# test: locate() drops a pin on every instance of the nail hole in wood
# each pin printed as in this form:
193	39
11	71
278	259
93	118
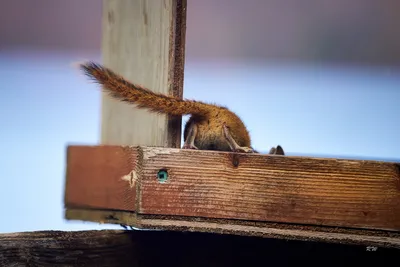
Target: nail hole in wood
235	160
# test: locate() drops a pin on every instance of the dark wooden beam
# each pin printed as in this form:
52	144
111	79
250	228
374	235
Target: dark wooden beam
154	248
55	248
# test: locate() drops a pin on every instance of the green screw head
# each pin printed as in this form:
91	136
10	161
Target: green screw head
162	176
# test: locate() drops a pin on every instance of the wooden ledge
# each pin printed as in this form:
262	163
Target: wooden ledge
171	248
151	187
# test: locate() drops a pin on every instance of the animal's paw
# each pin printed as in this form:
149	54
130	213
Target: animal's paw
244	149
188	146
225	129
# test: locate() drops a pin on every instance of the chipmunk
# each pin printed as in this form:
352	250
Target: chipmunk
210	127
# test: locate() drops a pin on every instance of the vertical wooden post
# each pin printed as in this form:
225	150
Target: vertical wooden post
143	40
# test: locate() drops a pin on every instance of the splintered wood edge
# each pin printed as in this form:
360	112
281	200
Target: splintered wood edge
242	228
102	216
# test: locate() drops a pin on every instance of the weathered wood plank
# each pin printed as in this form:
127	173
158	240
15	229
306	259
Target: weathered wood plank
155	248
264	188
55	248
101	177
330	192
241	228
145	42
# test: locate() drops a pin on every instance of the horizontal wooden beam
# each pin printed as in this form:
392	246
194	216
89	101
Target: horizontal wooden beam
265	189
240	228
159	248
57	248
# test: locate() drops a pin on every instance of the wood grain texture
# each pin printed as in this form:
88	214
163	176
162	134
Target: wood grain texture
278	231
329	192
145	42
101	177
260	188
57	248
168	248
240	228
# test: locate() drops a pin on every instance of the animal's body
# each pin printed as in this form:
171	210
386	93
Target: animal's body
210	127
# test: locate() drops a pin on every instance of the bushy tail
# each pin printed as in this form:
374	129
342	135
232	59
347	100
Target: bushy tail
123	90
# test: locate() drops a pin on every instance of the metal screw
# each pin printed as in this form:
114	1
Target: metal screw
162	176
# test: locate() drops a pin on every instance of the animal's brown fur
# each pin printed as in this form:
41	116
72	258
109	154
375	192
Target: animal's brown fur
204	127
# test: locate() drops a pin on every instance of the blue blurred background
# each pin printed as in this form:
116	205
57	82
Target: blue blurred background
320	78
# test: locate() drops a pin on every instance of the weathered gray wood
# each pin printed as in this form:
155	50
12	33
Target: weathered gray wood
144	41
